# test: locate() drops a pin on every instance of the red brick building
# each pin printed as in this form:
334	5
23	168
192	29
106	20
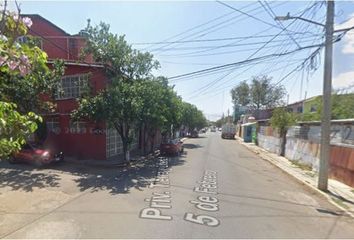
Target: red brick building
82	140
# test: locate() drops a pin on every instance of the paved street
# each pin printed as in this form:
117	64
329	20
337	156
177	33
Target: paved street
216	189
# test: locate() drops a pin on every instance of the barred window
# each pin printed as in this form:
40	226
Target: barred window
114	144
77	127
72	86
53	125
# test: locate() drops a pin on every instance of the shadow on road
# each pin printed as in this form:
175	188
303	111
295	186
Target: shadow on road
191	146
23	177
138	176
115	180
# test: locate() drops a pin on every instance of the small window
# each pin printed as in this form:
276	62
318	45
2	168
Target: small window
32	40
77	127
114	144
313	108
72	43
72	87
53	125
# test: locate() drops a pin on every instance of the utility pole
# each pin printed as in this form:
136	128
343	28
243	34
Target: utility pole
327	91
326	98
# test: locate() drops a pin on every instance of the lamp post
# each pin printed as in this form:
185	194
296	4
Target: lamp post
327	91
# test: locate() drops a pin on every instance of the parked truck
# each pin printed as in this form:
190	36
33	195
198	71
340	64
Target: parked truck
228	130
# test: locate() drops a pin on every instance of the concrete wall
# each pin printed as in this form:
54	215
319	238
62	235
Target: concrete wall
269	139
304	151
303	145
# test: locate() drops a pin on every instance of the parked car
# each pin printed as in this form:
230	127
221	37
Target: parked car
194	134
34	154
228	131
171	147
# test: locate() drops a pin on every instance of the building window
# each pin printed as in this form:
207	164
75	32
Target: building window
299	109
32	40
114	144
77	127
72	86
313	108
53	125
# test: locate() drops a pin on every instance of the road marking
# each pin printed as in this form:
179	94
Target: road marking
158	200
153	213
207	185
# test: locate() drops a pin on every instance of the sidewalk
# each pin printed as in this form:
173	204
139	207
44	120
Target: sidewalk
115	162
338	193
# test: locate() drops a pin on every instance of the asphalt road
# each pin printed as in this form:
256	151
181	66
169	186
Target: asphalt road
216	189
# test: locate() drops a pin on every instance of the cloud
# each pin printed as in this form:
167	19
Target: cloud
343	80
348	47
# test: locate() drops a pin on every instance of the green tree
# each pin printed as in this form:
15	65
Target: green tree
264	94
14	128
120	59
160	109
120	105
25	77
222	121
192	118
259	94
241	94
282	119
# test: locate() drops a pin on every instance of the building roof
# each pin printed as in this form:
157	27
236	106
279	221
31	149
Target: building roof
348	120
45	20
75	63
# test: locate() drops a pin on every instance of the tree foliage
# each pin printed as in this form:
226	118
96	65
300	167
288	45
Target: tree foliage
223	120
282	119
118	56
264	94
259	94
241	94
192	118
134	97
14	128
24	78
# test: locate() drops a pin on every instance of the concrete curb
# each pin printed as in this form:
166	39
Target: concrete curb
297	178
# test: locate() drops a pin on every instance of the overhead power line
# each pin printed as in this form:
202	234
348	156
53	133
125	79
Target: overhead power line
241	62
273	15
263	47
200	25
218	39
191	54
215	27
212	47
249	15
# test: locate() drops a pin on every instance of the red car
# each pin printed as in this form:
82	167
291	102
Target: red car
171	147
32	153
